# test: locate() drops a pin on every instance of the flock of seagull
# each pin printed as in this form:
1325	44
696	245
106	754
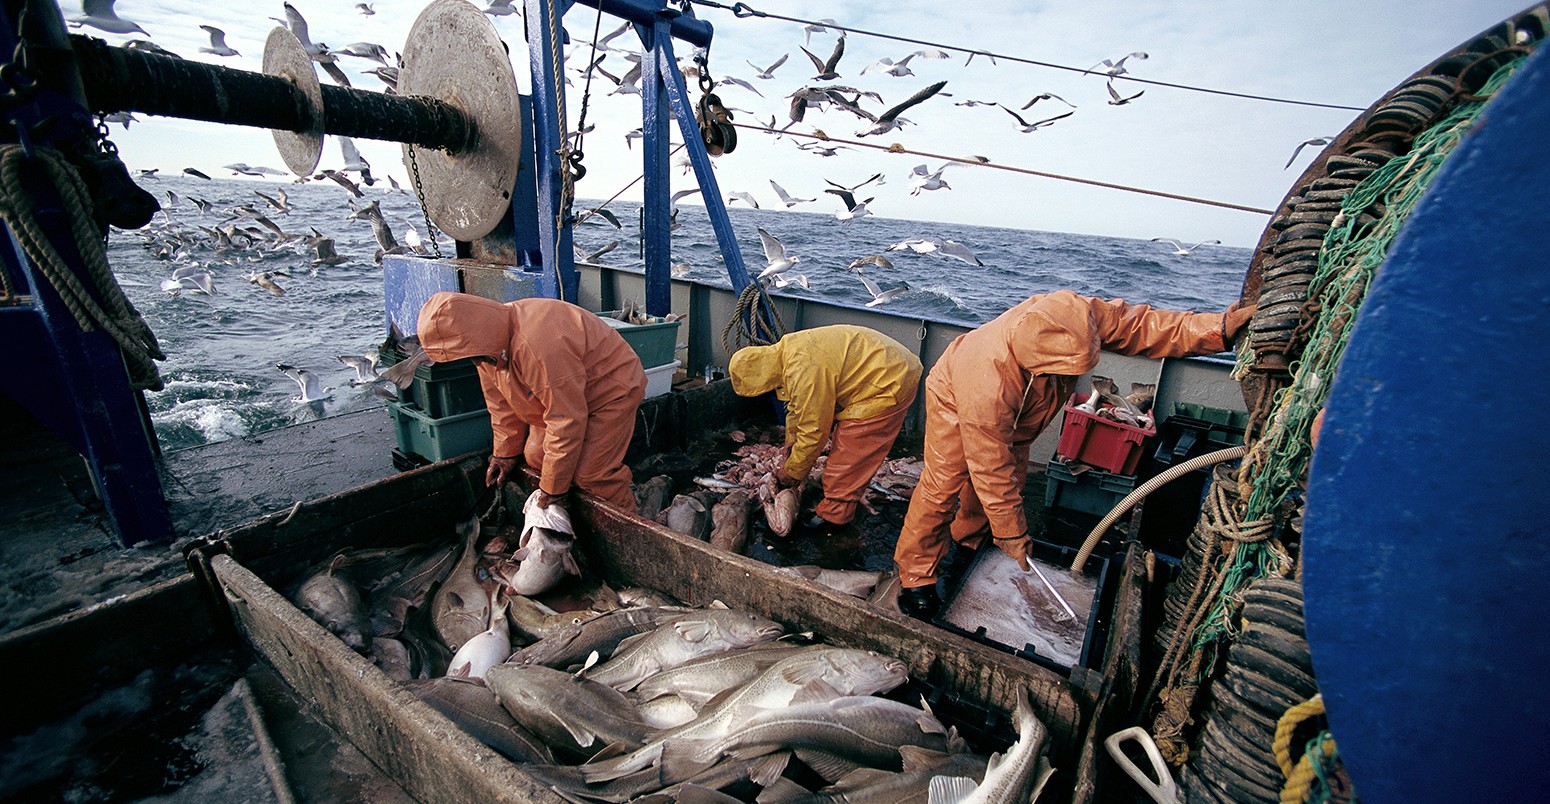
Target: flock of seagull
249	231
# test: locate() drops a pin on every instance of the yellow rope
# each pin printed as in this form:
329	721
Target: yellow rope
1290	720
1299	784
98	302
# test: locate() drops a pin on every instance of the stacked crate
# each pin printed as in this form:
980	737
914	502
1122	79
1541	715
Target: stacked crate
1095	461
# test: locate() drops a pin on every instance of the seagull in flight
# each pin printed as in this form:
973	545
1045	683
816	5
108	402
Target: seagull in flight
365	366
1116	100
1316	141
890	120
1180	249
936	248
100	15
747	198
365	9
817	27
853	211
776	261
826	68
1029	128
1046	96
1113	68
265	280
787	198
925	179
311	389
500	8
900	68
859	264
217	42
768	73
880	296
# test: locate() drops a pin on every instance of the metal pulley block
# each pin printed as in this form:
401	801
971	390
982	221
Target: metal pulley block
715	121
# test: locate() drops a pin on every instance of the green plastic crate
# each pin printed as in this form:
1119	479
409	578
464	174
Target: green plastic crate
437	439
1219	426
439	389
1093	491
654	342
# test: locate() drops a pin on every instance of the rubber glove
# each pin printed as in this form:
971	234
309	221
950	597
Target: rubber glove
1234	320
499	469
1016	547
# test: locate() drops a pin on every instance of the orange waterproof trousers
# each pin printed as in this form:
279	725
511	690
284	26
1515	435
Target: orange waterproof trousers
857	448
944	486
601	470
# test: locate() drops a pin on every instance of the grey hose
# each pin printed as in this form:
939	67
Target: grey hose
1162	478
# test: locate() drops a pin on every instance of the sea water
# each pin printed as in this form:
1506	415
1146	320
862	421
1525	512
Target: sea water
220	375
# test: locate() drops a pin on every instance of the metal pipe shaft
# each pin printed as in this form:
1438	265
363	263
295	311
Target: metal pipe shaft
693	30
119	80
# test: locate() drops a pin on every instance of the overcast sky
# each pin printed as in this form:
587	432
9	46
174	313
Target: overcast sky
1175	141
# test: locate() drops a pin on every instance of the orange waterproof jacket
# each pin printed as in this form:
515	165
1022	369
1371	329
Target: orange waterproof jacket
1005	380
555	362
839	372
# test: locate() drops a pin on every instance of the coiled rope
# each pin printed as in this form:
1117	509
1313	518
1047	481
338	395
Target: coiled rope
755	321
1277	462
97	302
1307	779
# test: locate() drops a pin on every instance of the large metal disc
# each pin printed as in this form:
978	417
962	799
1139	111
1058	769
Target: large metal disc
455	55
285	57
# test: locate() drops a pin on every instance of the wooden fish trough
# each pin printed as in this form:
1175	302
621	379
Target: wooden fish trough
967	683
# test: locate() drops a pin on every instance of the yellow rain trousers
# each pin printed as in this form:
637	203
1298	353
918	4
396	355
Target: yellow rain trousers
997	387
563	390
843	385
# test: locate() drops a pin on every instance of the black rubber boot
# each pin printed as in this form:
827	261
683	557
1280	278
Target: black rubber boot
920	602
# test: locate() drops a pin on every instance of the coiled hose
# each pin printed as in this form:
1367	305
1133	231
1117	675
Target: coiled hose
1162	479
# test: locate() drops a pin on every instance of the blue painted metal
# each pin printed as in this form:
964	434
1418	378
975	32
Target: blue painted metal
695	31
1424	554
656	137
553	224
408	283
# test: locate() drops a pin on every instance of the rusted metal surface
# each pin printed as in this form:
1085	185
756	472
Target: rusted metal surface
119	80
417	746
454	53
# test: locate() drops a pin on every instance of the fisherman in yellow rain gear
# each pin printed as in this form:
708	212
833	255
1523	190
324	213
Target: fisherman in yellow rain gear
843	385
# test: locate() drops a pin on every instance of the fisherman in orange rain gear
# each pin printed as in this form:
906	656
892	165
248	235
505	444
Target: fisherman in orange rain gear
991	393
562	387
844	385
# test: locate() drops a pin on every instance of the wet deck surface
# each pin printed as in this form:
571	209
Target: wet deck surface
55	540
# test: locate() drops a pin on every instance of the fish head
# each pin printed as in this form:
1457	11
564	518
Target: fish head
864	672
742	628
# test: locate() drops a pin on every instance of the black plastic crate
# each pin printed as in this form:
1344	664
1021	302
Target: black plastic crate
1088	490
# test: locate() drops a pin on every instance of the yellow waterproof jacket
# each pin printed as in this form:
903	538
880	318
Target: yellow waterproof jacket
826	374
1004	381
554	363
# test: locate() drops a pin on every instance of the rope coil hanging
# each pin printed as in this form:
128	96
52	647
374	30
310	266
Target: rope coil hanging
95	301
754	322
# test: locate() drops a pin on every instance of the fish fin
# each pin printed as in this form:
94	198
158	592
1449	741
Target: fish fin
950	789
955	742
614	768
611	751
520	555
782	791
587	665
915	756
461	671
808	571
694	630
930	725
630	642
336	563
583	738
716	604
764	772
816	691
570	564
683	759
861	778
995	761
832	767
1042	770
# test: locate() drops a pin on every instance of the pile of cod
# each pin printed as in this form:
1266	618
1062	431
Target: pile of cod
630	695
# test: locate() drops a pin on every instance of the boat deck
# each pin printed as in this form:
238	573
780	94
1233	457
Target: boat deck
57	545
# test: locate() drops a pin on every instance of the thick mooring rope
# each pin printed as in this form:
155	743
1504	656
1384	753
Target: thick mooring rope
113	313
1278	460
755	322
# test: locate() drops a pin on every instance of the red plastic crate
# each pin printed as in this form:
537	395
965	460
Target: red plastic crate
1108	445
